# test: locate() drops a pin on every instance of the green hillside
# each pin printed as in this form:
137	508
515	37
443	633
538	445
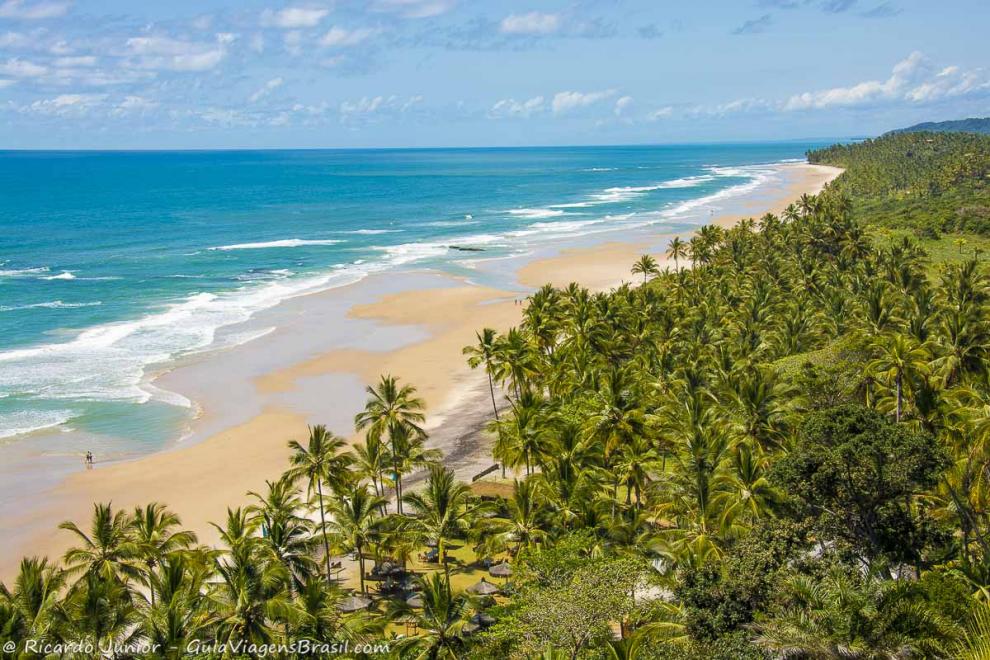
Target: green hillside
970	125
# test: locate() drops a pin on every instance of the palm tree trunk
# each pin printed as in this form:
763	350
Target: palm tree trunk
361	568
323	528
491	388
897	417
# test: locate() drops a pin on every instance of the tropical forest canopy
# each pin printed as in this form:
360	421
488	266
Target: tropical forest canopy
776	448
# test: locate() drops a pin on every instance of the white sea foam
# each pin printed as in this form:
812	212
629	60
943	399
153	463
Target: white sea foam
23	272
53	304
64	275
373	232
452	223
29	421
285	243
533	214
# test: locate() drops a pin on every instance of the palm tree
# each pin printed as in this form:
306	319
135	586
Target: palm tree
483	353
645	266
390	407
108	551
677	250
180	611
32	601
286	532
900	357
354	523
441	622
317	463
443	510
155	537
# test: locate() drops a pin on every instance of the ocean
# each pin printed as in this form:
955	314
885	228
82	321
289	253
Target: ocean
113	265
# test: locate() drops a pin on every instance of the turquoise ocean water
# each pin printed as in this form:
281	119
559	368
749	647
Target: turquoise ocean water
113	265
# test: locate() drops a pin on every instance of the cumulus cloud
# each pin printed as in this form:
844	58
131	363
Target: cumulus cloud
514	108
25	11
292	18
414	8
66	104
661	113
913	79
622	105
338	37
266	89
883	10
18	68
6	82
567	101
133	104
160	52
534	23
81	60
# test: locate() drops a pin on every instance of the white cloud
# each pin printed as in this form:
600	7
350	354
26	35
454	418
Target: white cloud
133	105
67	104
566	101
266	89
913	79
369	106
533	22
338	37
292	18
6	83
33	11
622	104
414	8
82	60
159	52
293	42
19	68
514	108
661	113
14	40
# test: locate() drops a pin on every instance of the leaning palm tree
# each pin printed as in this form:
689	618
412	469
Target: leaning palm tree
483	353
443	509
388	408
155	536
645	266
441	622
317	463
108	550
354	523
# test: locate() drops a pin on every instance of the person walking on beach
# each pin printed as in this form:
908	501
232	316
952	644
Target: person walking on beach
89	459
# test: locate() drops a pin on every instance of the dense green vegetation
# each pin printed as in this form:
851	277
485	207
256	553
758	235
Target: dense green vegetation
782	451
971	125
931	183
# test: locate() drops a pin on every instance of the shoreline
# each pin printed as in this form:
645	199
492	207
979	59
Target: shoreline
415	333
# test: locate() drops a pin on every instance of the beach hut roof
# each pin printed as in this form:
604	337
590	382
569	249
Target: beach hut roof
415	600
483	619
354	603
501	570
483	588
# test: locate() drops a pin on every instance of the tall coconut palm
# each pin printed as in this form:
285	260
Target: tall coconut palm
483	353
677	250
155	536
899	359
391	407
318	463
442	509
440	623
32	601
645	266
108	550
355	523
286	532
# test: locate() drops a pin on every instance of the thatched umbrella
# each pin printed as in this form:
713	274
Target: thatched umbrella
482	619
483	588
416	601
353	604
502	570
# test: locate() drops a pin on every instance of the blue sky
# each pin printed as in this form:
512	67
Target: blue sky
392	73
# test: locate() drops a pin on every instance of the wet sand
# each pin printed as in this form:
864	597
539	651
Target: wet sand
414	333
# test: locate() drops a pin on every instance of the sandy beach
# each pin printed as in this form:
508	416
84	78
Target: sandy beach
229	454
